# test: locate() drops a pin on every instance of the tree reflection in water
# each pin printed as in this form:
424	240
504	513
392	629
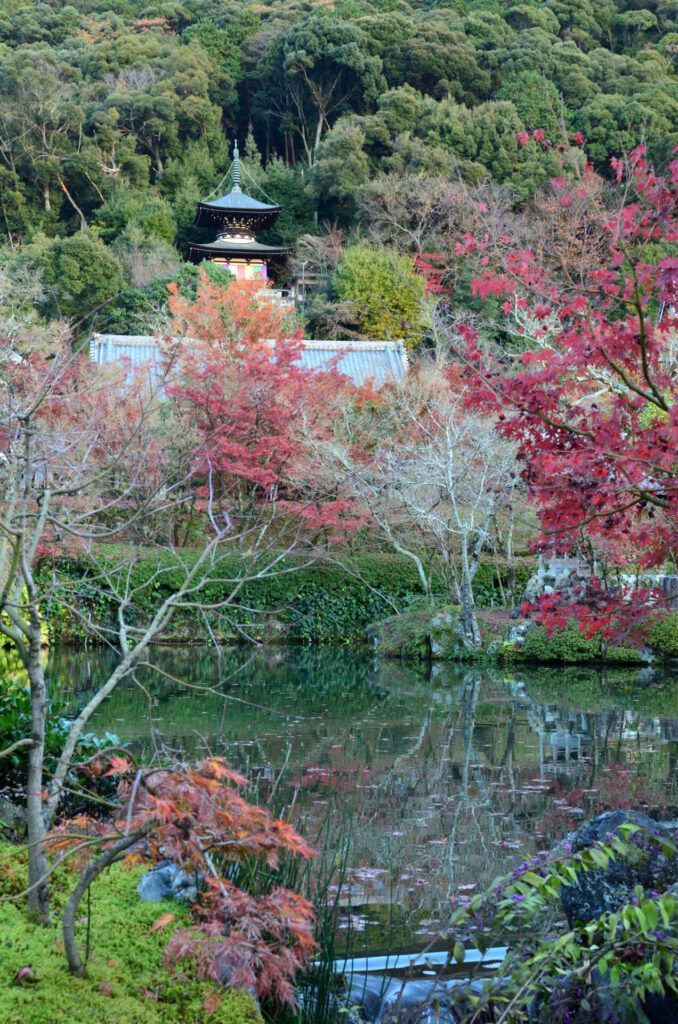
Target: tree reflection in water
455	774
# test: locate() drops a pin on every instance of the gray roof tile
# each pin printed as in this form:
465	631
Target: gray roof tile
379	361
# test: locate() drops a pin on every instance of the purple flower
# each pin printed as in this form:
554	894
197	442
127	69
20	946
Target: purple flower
517	898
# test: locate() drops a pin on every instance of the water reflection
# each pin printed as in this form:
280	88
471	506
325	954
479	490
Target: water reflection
455	774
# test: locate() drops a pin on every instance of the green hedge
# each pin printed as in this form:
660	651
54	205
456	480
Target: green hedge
324	602
572	647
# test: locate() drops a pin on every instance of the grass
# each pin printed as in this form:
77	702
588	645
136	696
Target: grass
125	981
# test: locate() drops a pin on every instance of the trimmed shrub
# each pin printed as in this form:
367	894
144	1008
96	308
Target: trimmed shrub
323	603
663	636
570	646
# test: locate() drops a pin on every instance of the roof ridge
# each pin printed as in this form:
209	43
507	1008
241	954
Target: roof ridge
357	344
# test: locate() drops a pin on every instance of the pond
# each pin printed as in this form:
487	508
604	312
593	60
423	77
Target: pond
450	775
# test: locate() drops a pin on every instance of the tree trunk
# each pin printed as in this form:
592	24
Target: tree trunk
318	133
510	564
159	168
107	858
81	215
469	623
38	898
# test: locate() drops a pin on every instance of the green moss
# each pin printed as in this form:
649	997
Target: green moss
402	636
419	633
125	981
663	636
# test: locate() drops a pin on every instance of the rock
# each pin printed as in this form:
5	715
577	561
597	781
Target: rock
11	814
533	589
420	633
398	1001
167	882
519	632
598	891
568	582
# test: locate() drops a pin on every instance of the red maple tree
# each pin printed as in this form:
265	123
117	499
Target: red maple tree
593	408
255	411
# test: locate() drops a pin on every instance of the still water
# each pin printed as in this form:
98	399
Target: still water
452	775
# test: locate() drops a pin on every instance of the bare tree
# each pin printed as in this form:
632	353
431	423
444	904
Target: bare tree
433	476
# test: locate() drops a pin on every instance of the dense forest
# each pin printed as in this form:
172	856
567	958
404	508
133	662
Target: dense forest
117	116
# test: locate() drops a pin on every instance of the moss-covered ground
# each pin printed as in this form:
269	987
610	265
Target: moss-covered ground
125	981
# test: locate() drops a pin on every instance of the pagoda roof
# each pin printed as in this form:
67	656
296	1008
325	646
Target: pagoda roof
239	249
237	205
238	200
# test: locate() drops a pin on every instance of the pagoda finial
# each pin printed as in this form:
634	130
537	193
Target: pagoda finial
236	168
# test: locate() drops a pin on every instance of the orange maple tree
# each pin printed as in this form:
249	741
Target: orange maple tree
238	315
198	819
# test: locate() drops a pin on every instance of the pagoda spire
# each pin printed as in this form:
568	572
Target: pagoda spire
236	168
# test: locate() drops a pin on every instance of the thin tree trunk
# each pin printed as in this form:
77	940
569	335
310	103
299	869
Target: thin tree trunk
81	215
107	858
510	564
318	133
38	897
469	622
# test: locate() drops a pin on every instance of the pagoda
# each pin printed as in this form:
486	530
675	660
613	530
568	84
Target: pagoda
237	218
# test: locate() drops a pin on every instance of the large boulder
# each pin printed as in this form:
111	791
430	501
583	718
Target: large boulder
599	890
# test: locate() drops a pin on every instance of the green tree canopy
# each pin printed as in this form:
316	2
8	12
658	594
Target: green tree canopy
386	294
80	275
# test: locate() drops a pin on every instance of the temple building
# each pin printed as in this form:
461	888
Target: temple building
381	362
237	218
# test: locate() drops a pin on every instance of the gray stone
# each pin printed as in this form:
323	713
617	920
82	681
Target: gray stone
13	815
385	1000
520	631
167	882
533	588
599	890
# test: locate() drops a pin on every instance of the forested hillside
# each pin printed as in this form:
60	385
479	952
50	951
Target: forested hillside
117	116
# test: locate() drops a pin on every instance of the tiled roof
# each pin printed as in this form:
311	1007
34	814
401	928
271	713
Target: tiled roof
359	360
379	361
241	245
238	200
